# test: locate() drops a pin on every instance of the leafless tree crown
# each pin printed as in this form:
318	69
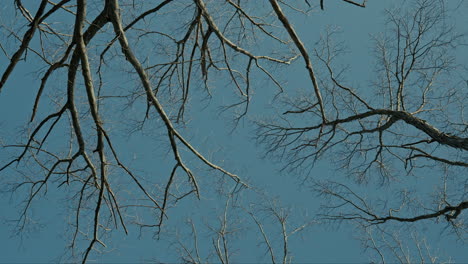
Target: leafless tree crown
112	66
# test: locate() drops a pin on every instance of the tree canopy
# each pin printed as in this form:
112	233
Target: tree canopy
138	115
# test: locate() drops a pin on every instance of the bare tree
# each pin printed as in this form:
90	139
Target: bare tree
408	124
399	248
272	223
71	140
112	67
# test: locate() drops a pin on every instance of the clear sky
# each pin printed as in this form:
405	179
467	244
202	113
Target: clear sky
47	237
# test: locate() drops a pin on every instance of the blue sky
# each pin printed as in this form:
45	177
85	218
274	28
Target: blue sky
47	237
